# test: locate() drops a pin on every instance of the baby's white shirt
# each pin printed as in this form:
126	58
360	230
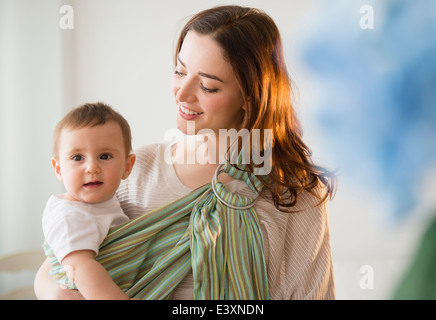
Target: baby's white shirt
73	225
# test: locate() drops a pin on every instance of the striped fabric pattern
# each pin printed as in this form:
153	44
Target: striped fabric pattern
296	245
227	245
150	255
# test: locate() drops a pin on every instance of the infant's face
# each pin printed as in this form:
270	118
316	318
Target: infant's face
91	162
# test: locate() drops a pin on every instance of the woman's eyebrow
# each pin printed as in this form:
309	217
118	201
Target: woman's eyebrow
210	76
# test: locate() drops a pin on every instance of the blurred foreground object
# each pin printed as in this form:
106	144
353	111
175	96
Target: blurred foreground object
420	282
24	265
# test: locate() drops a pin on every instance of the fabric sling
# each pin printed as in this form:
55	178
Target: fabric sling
210	231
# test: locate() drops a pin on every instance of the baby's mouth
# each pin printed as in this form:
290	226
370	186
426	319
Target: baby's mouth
93	184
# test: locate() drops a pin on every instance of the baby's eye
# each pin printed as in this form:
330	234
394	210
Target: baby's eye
77	157
105	156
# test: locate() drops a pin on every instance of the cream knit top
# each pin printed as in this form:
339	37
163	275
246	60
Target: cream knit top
297	245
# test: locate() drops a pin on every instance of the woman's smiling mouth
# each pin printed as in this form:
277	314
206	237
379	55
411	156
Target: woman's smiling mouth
188	114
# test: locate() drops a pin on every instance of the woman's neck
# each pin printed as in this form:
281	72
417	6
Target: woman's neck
196	158
205	149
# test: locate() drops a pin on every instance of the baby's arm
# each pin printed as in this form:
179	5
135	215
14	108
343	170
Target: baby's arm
47	289
90	277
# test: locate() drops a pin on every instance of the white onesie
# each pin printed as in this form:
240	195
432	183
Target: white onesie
73	225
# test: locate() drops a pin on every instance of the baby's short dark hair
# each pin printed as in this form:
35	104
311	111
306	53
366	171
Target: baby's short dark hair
90	115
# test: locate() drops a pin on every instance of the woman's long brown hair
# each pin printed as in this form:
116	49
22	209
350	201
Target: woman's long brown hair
252	44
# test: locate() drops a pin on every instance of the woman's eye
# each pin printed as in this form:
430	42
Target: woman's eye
76	157
207	90
105	157
180	74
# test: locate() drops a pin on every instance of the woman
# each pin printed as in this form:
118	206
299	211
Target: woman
230	74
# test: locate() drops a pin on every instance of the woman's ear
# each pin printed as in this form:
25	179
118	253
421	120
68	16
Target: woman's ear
56	167
246	108
130	162
247	105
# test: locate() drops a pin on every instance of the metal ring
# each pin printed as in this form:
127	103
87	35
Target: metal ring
215	178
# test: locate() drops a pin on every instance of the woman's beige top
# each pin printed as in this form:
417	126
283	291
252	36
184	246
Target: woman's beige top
297	245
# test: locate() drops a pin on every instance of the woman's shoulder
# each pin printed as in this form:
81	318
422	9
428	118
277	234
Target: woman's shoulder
308	210
308	203
150	154
312	200
149	150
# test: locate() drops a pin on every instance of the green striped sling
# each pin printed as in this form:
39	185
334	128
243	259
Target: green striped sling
210	231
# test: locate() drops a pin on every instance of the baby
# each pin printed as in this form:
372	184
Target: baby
91	154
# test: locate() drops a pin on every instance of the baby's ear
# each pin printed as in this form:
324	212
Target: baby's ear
57	168
130	162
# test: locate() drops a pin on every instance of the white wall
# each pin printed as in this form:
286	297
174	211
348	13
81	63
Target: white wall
30	106
120	52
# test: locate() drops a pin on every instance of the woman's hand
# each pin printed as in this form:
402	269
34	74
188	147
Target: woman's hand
47	289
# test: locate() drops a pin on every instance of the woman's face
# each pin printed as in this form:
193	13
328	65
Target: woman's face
205	88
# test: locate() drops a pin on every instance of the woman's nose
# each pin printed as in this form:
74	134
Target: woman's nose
185	91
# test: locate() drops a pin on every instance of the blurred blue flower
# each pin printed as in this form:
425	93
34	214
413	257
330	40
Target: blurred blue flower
379	93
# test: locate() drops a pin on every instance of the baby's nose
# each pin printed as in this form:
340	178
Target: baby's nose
92	167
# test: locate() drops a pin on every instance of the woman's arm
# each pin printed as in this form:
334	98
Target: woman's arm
91	278
307	255
47	289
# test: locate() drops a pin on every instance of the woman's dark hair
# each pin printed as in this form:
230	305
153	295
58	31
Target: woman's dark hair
252	44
